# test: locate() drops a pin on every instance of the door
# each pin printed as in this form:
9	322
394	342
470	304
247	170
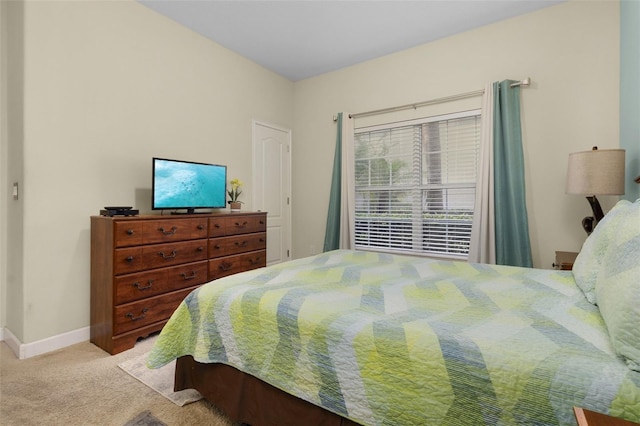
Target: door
272	186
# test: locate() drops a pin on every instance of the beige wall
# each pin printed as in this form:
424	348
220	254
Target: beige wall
4	164
11	164
571	52
106	86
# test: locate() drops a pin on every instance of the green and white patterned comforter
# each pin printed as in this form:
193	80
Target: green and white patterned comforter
386	339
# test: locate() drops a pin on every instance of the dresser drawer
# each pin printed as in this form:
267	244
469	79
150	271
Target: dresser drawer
128	233
133	315
128	260
229	265
159	255
223	246
134	259
162	231
137	286
236	224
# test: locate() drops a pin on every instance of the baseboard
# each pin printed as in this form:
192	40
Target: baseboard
28	350
11	341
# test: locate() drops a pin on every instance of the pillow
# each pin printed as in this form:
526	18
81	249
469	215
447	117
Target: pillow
589	260
618	285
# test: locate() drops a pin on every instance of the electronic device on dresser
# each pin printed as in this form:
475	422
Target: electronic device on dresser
142	267
119	211
177	184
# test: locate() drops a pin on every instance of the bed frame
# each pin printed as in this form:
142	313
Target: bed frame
248	400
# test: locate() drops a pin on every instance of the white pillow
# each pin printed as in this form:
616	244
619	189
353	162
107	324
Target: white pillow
589	261
618	285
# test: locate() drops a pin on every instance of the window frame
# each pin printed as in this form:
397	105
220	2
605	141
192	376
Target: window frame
412	230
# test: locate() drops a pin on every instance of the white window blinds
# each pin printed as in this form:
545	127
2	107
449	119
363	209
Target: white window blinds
415	184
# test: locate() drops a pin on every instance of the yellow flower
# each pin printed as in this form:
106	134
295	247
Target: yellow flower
235	190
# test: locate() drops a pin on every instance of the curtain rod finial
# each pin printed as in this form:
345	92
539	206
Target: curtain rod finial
522	83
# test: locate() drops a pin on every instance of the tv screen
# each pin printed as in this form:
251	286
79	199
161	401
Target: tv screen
188	185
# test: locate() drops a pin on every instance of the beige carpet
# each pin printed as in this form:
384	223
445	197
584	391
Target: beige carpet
83	385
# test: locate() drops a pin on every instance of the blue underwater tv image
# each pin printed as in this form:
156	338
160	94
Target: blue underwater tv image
183	184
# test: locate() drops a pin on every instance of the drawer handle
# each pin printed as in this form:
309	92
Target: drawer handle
200	226
241	244
141	316
146	287
217	246
130	232
262	222
200	248
171	232
226	266
129	259
188	277
262	240
217	225
241	225
254	261
171	256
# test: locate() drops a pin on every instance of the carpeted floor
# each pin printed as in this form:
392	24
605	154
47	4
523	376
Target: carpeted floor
83	385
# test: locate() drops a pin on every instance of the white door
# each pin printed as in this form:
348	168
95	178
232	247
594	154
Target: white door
272	186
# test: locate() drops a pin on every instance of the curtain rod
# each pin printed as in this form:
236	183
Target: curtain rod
524	83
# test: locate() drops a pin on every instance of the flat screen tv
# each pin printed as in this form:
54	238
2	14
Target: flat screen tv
187	185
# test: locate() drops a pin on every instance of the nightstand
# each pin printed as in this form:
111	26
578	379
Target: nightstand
564	260
591	418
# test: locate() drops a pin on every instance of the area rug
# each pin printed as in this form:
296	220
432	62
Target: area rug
160	380
145	419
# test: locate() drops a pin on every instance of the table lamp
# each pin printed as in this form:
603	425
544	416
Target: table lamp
595	172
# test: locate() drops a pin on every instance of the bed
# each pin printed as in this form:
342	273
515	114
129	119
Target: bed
355	337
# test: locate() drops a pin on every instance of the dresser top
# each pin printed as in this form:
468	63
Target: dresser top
181	216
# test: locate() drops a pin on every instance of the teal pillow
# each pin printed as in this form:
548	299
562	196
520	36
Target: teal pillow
589	261
618	285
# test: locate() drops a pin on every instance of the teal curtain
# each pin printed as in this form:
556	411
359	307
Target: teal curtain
511	223
332	233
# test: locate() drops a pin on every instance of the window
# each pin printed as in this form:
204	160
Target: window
415	184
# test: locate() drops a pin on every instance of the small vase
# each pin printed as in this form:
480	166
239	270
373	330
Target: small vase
235	205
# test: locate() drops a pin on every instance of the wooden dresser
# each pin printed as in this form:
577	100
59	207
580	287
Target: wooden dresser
142	267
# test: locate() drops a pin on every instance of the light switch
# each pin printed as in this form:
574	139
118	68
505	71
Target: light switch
15	190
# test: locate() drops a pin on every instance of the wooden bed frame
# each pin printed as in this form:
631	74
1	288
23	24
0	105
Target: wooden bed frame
248	400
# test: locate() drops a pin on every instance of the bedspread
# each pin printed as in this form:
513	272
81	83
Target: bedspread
389	339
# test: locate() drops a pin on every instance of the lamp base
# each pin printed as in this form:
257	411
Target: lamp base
589	223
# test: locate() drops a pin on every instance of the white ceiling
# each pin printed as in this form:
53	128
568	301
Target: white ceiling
304	38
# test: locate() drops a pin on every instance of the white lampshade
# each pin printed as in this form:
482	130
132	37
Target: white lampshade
596	172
